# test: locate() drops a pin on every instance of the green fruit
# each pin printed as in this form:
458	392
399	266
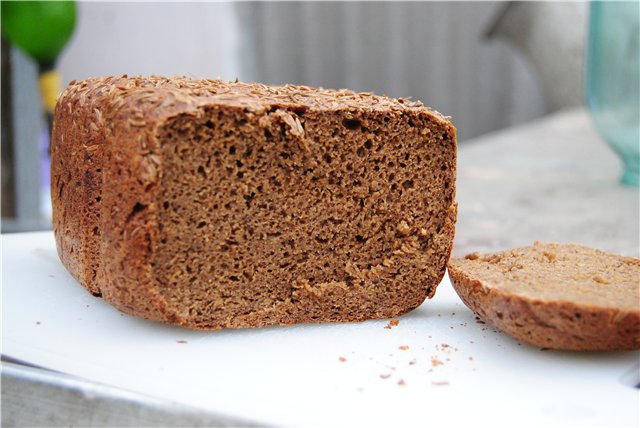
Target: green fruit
41	29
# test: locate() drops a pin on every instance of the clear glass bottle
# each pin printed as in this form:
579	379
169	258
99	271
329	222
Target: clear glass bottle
613	77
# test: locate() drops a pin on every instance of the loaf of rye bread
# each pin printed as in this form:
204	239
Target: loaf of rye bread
560	296
213	204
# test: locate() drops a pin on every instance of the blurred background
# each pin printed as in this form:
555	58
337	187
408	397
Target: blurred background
489	65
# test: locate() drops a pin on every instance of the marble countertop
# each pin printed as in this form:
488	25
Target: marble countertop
554	179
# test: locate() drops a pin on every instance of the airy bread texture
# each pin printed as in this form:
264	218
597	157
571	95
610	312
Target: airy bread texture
213	204
559	296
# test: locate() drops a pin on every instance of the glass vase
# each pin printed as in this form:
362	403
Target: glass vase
613	76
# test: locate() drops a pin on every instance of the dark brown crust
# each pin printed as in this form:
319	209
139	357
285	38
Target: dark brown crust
76	185
545	323
106	168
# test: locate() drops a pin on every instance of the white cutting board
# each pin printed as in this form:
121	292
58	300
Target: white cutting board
454	371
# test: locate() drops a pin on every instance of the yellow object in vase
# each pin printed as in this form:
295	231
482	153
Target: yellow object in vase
50	88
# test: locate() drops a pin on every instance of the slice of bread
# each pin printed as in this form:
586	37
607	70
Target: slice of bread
558	296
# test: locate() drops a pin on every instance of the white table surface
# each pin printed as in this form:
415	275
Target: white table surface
553	179
455	370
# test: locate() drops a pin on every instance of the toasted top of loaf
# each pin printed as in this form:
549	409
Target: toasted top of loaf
562	296
165	94
559	272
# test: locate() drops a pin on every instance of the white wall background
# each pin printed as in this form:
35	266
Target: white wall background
436	52
193	39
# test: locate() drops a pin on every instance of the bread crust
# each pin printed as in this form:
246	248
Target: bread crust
107	167
547	323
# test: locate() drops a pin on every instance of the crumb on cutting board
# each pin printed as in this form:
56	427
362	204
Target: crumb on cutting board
392	324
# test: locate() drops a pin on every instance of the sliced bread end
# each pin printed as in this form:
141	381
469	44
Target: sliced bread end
557	296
